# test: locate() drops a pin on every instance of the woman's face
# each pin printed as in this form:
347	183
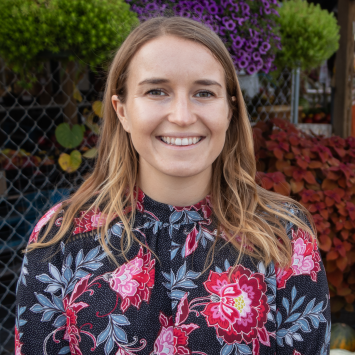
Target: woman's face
176	108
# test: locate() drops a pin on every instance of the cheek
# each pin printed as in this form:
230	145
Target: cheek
142	123
218	123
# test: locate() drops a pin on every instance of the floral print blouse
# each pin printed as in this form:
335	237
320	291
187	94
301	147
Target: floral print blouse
160	301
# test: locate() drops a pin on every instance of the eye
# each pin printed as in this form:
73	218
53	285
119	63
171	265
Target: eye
156	92
204	94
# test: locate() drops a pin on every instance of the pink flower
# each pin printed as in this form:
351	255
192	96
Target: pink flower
18	344
98	220
123	281
239	307
301	264
134	280
42	222
305	259
164	344
173	339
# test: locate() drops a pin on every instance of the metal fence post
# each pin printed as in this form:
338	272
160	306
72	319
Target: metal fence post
295	99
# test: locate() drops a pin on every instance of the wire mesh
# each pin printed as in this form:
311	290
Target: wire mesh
31	179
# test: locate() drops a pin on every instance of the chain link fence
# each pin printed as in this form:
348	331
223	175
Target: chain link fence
31	179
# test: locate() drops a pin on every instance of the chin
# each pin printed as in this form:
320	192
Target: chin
182	171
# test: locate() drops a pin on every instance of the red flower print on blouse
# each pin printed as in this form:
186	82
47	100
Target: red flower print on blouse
89	220
72	332
42	222
239	307
140	199
173	338
305	259
134	280
191	242
18	344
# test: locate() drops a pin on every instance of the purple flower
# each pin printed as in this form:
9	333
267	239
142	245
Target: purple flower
256	56
266	4
251	69
266	67
151	7
242	63
247	57
215	28
230	25
264	48
245	8
259	64
222	31
198	8
248	47
249	32
213	9
238	42
253	42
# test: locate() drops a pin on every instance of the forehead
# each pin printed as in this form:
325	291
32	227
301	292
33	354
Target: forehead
174	57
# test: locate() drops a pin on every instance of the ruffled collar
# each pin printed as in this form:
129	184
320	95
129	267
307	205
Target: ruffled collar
199	212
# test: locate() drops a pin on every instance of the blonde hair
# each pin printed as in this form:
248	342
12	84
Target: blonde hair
240	207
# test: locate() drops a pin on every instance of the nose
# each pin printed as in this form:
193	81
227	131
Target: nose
182	111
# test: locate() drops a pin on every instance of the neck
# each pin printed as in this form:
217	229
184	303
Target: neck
174	190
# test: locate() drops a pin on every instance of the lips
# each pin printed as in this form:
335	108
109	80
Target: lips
181	141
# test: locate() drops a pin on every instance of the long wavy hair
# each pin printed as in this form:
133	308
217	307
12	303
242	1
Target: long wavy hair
240	206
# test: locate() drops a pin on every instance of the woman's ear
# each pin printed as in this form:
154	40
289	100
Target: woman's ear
120	110
230	115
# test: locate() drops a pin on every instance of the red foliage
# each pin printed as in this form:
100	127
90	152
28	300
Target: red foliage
319	173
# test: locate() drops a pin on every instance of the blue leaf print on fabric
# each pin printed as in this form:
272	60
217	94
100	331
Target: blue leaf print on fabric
183	280
227	349
286	304
299	321
243	349
298	303
65	350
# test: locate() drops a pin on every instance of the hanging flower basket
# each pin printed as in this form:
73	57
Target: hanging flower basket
248	28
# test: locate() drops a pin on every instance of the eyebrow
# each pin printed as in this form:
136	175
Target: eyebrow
206	82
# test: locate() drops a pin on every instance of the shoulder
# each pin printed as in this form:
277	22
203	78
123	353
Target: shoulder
43	222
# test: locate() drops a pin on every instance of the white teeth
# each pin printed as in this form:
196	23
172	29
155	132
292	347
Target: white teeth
181	141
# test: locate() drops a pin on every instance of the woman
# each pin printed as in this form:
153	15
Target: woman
121	268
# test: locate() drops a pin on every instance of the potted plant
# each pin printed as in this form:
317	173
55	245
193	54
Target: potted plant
248	28
71	31
309	36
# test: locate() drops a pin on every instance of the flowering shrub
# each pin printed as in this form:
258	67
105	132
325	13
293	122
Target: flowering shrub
319	173
247	27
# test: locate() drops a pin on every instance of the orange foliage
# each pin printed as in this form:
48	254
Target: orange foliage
319	173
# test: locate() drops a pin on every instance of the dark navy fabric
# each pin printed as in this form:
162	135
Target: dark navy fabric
171	298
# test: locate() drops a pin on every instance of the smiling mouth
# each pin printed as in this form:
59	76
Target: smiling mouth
181	141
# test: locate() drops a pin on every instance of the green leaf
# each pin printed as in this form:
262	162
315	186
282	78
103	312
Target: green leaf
97	108
91	153
69	137
70	163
